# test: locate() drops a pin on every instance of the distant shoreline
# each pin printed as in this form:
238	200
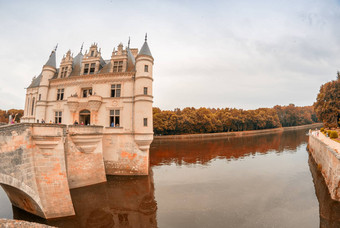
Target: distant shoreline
236	133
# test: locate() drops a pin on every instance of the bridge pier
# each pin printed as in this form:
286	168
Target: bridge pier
33	170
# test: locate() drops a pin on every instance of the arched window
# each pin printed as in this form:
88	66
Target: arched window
32	106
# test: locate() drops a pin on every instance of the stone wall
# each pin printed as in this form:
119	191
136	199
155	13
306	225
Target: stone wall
84	154
327	159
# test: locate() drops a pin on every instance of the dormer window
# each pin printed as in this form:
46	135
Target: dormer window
118	66
86	68
93	66
92	53
63	72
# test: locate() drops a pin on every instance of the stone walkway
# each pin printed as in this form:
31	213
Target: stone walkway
11	223
331	143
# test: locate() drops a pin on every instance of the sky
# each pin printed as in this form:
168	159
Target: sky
215	54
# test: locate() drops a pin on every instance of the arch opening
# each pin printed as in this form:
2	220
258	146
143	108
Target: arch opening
85	117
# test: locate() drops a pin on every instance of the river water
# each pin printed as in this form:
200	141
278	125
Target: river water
254	181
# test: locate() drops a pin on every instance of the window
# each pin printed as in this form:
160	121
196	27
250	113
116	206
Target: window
87	92
28	105
57	117
93	66
39	97
118	66
60	94
63	72
92	53
114	118
145	120
86	68
145	90
115	90
32	106
146	68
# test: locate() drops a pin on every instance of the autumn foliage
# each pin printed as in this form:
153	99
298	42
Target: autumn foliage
327	105
5	114
206	120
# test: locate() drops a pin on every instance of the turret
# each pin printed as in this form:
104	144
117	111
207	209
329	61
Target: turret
48	71
143	125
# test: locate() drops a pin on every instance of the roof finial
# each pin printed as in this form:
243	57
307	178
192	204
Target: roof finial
81	48
146	37
55	49
129	43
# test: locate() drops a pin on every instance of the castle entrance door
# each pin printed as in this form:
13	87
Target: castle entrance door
85	117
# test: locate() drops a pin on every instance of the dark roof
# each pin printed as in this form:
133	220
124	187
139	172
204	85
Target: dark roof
36	81
76	65
145	50
130	61
51	61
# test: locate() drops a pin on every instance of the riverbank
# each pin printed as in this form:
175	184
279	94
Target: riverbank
326	154
236	133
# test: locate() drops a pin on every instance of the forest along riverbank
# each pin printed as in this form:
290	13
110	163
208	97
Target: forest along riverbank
236	133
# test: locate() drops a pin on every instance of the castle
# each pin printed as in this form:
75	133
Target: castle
87	91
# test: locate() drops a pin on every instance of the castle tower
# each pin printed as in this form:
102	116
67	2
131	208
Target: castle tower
48	71
143	127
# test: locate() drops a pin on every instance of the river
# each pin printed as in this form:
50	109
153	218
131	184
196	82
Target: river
255	181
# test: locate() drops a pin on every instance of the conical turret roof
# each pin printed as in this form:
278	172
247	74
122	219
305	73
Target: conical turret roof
145	50
51	61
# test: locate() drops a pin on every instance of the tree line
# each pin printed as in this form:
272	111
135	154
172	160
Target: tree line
211	120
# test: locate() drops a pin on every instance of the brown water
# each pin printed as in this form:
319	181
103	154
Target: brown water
255	181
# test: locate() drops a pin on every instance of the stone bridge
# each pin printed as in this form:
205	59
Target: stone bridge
41	162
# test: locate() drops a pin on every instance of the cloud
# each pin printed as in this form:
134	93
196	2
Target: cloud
242	54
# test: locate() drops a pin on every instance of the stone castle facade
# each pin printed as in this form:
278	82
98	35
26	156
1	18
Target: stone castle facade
86	91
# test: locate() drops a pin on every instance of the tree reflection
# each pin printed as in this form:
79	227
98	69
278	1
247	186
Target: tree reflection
203	151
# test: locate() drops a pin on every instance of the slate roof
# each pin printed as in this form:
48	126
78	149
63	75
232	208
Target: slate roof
35	82
51	61
145	50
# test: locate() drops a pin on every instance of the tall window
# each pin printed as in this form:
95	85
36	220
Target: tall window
146	68
118	66
114	118
145	90
28	105
145	120
87	92
60	95
63	72
58	117
93	66
115	90
86	68
32	111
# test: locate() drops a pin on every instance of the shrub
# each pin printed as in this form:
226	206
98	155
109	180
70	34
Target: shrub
322	129
333	135
329	132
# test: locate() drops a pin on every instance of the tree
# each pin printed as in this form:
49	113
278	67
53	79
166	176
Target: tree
327	105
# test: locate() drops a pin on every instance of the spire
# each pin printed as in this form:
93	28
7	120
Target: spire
51	61
81	48
145	50
129	43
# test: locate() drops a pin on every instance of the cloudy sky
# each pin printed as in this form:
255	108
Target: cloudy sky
244	54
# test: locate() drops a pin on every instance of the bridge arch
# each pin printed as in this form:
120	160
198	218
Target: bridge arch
21	195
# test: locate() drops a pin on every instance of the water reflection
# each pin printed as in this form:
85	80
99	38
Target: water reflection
329	209
203	151
120	202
